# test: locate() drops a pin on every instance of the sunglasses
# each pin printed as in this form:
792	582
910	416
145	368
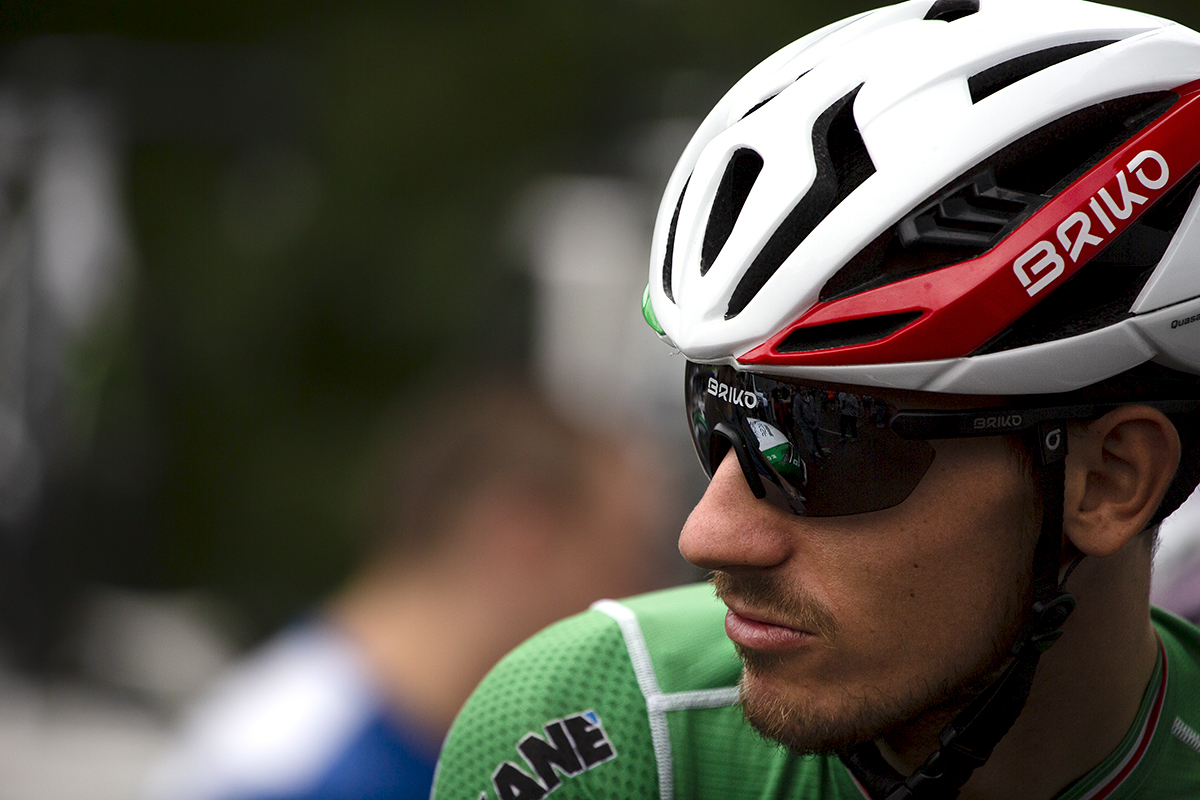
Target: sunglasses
820	452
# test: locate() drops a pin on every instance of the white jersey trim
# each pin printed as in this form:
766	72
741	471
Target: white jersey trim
659	703
1186	734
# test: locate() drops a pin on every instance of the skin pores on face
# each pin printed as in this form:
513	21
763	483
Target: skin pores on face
911	609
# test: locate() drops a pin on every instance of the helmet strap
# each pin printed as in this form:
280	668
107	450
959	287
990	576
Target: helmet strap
967	741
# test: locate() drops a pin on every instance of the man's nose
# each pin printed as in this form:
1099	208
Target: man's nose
731	529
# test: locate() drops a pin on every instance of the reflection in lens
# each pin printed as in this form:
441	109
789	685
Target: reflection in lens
779	453
820	452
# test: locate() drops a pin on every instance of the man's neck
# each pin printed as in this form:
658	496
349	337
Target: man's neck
1086	694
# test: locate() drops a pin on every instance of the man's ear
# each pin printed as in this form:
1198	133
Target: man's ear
1118	469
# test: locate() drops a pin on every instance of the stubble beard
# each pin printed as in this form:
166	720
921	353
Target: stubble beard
802	727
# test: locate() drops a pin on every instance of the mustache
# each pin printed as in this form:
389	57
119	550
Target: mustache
763	592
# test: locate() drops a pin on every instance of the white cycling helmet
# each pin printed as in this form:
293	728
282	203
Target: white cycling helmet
990	197
965	196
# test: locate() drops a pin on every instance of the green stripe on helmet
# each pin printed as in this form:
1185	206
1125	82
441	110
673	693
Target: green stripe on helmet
648	313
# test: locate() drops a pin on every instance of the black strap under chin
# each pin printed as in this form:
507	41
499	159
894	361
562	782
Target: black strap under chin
967	742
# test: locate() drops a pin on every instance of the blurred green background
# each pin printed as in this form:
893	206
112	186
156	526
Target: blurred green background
318	195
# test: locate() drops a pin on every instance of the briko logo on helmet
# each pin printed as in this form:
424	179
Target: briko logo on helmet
1042	264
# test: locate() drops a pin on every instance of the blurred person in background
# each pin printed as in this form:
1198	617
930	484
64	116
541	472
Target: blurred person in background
494	517
1176	581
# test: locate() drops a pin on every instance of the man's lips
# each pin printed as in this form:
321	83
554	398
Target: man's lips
759	632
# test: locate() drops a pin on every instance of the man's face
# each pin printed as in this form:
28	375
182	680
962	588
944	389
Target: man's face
850	627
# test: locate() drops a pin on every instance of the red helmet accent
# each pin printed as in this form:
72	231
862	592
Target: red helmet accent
965	305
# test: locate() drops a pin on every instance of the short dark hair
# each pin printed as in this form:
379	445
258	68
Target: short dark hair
452	438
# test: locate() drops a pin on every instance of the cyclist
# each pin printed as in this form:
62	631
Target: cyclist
982	215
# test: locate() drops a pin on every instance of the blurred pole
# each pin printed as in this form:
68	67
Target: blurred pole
593	352
587	240
62	245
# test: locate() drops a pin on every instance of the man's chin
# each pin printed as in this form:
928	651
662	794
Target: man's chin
811	722
803	727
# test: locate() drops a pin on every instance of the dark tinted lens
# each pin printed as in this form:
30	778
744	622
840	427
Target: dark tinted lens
816	452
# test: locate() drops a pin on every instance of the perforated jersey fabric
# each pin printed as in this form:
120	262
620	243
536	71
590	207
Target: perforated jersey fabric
637	699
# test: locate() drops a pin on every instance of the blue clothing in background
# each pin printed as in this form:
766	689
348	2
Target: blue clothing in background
300	719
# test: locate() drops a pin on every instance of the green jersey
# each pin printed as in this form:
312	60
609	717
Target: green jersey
638	699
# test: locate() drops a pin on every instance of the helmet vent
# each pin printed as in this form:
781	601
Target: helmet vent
759	105
959	222
667	259
1001	76
843	163
976	214
950	10
1104	289
844	334
740	175
769	98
